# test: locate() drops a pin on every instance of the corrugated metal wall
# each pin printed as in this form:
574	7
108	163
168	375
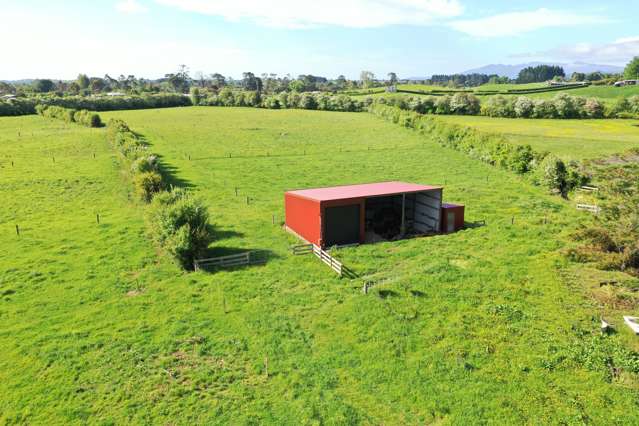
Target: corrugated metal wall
427	211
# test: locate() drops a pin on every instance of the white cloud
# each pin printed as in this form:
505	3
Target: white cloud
130	6
619	51
514	23
314	13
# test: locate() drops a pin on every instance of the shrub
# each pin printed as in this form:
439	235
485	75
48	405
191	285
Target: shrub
180	224
148	184
593	108
307	101
552	174
86	118
464	104
195	95
565	106
145	164
498	106
544	109
524	107
442	105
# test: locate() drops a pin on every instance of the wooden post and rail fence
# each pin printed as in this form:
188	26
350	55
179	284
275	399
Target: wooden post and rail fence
334	264
240	259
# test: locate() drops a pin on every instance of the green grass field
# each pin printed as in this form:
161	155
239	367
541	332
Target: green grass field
569	139
605	93
481	326
504	87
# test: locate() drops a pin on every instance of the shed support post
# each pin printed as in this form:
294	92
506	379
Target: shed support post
402	230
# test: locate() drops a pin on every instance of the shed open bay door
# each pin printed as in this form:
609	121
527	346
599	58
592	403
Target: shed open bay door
341	225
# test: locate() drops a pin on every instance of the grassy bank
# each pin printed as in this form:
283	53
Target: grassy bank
568	139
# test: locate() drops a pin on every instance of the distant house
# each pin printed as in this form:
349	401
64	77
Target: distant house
8	96
115	94
391	89
626	83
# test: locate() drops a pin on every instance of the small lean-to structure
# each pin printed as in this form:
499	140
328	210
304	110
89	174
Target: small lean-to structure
371	212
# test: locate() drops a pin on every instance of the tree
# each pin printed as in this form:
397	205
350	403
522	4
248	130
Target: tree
540	73
296	86
6	88
340	83
180	81
392	78
83	81
43	86
219	80
367	78
250	82
578	76
97	85
632	69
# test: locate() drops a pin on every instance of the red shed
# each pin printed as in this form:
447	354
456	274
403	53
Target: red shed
452	217
363	213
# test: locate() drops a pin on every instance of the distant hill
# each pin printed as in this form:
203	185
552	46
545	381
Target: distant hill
512	71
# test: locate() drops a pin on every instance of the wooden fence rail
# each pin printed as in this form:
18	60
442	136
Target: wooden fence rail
325	257
240	259
302	249
589	207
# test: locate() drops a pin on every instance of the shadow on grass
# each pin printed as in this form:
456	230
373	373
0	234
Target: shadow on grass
476	224
385	294
219	258
170	174
224	234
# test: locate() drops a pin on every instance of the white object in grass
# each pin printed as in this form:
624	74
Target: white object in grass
632	322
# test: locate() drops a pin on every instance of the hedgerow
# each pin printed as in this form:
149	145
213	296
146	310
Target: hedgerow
318	101
177	221
69	115
25	106
180	224
549	171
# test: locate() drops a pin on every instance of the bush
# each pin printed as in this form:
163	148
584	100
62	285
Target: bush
552	174
145	164
524	107
593	108
148	184
544	109
498	106
86	118
180	224
464	104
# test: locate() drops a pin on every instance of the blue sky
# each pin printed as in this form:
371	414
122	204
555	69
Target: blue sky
59	39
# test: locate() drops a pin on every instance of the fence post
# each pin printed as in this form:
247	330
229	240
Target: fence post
236	191
97	218
512	220
17	230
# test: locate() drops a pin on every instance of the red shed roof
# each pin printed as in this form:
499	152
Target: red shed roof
361	191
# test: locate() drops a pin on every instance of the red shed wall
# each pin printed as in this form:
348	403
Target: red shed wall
303	217
458	209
